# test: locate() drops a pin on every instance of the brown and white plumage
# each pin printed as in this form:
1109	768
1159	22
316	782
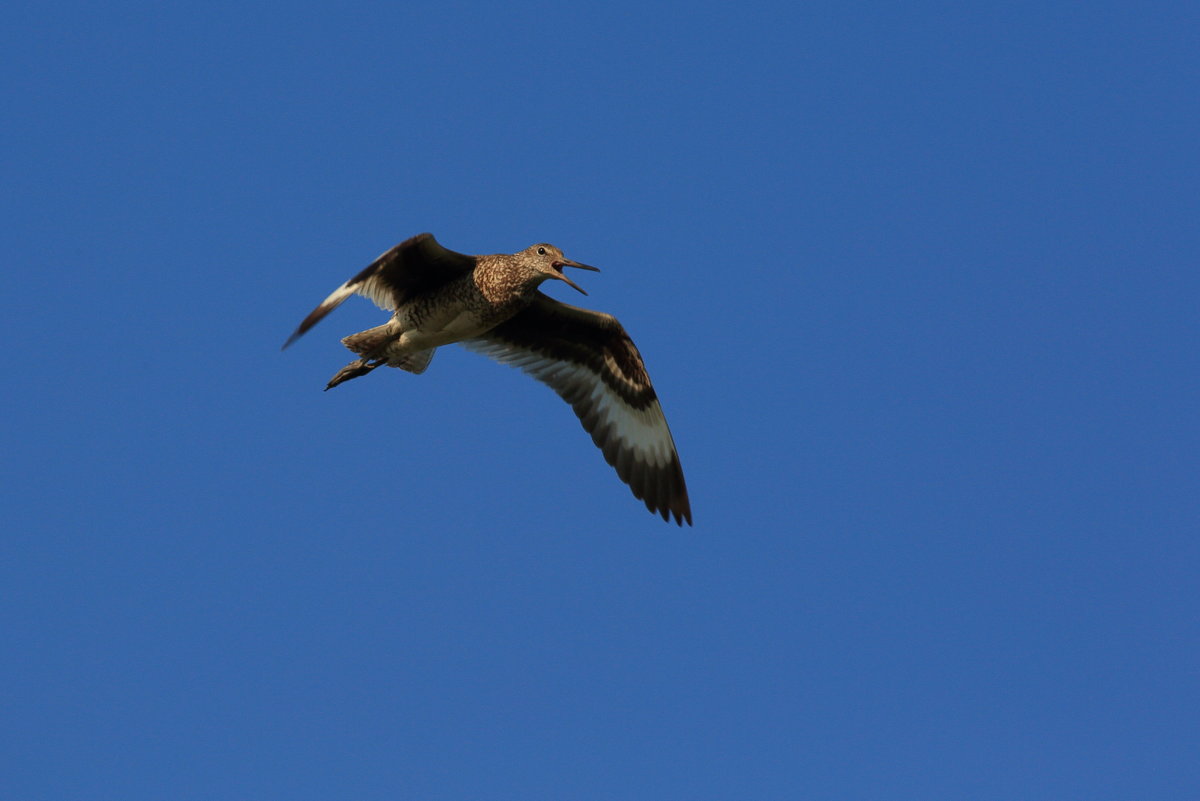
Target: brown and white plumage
490	304
416	265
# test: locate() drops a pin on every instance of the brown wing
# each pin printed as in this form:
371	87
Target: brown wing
415	265
589	360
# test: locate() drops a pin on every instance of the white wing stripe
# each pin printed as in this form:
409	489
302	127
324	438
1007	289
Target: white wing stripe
337	296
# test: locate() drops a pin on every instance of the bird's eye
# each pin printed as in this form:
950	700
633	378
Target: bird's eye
541	251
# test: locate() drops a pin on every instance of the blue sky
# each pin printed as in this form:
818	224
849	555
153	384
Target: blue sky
916	283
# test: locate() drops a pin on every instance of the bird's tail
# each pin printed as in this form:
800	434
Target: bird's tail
370	343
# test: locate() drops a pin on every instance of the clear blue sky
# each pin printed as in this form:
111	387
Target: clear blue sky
916	282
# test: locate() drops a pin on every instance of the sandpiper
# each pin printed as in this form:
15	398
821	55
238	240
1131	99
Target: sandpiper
491	304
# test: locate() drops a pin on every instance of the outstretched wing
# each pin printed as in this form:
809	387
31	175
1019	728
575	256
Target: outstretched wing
415	265
589	360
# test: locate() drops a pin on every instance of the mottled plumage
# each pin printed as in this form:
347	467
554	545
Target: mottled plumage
491	304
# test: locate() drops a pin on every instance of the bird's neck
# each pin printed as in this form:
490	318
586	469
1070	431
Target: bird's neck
503	283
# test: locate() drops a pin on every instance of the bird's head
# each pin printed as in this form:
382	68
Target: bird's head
548	261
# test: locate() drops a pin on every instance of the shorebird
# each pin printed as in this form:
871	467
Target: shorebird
491	304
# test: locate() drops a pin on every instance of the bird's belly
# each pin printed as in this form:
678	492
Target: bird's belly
443	330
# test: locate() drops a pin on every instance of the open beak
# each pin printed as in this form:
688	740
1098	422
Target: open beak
558	271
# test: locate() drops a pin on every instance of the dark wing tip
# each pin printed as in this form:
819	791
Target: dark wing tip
662	490
677	508
299	332
308	322
677	503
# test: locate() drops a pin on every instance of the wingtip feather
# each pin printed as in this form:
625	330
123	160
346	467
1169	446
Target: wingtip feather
295	335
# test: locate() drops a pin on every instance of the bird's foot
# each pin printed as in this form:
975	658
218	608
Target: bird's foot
354	369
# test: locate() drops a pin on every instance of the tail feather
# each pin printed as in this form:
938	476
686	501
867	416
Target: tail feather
371	342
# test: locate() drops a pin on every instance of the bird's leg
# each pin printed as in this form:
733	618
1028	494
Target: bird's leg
354	369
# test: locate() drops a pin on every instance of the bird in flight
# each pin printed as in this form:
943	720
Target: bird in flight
491	304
